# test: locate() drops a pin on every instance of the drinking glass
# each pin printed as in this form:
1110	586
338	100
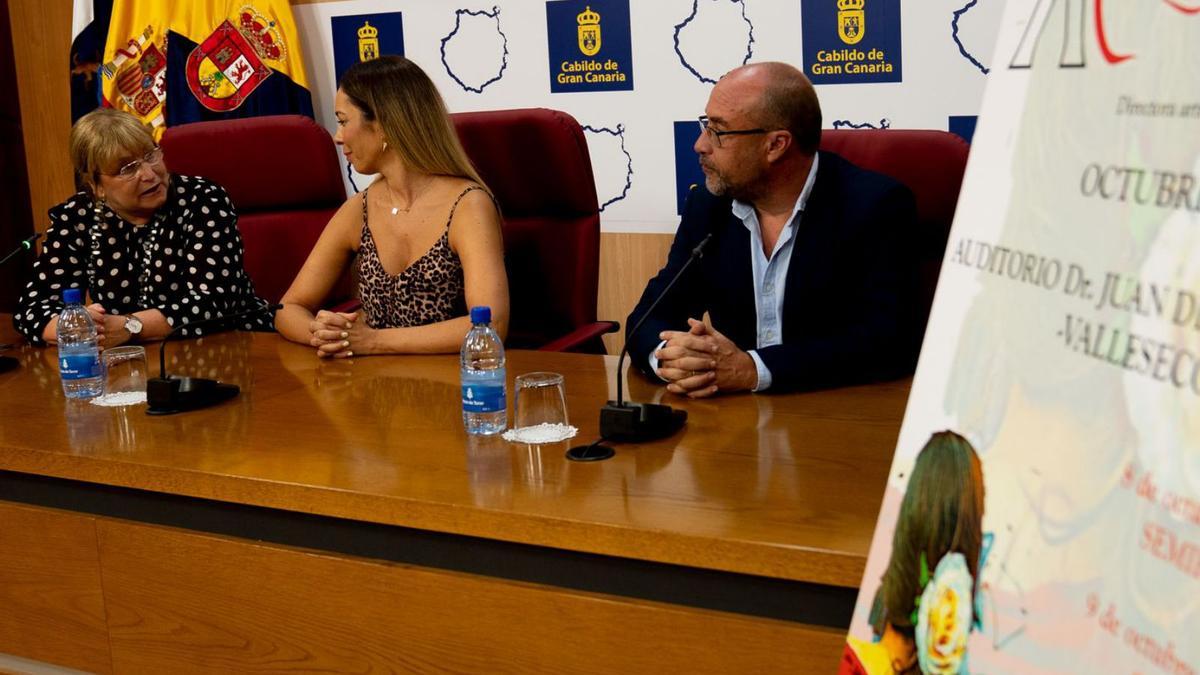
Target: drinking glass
124	376
541	400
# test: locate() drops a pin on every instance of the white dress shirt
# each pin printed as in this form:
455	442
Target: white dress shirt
770	275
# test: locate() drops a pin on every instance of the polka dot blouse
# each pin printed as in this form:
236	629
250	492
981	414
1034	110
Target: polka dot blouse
186	262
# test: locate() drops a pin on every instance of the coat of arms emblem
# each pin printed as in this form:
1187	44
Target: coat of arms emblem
368	42
228	66
851	21
139	71
589	31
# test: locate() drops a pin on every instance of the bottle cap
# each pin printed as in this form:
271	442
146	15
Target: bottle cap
481	315
72	296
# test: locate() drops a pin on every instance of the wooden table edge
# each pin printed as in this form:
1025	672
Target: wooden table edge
792	563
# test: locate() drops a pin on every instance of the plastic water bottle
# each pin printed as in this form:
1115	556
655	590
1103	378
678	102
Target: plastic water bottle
78	349
485	408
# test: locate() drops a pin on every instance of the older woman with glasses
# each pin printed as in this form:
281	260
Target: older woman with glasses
153	251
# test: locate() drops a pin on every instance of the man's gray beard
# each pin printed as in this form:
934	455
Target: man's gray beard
720	188
715	185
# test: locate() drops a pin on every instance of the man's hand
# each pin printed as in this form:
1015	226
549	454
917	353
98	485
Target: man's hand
701	361
686	359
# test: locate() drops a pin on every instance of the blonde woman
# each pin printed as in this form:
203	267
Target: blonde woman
424	238
153	251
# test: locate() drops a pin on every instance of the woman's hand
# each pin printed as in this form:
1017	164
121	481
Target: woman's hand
110	329
339	334
98	314
100	319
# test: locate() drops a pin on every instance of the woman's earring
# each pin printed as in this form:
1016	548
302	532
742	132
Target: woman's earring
385	146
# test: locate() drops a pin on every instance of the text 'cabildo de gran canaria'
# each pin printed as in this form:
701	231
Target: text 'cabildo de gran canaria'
575	72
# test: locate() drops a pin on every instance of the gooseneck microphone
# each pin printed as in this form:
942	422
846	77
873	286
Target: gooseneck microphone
8	363
25	245
697	253
170	394
622	421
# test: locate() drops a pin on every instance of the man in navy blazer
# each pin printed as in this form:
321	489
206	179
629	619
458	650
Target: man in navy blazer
809	280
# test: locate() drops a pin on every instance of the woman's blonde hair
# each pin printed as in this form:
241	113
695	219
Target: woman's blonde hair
103	138
400	97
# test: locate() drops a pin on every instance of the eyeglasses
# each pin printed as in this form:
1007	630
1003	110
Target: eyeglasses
716	135
131	170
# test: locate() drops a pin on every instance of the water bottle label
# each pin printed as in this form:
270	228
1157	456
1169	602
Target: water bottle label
483	398
79	366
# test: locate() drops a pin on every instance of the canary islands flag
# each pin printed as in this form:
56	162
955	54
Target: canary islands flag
176	62
89	30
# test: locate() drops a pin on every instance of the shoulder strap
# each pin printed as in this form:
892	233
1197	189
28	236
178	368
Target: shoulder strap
470	188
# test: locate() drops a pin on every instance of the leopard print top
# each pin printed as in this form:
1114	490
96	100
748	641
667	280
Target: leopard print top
429	290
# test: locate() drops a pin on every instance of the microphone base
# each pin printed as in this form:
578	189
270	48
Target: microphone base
8	363
170	395
590	453
636	422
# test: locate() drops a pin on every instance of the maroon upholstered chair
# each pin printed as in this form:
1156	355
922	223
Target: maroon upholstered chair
536	163
283	175
931	164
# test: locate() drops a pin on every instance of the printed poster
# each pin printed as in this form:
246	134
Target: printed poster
1043	507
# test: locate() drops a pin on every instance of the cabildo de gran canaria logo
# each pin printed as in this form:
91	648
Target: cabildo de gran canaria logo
363	37
589	31
851	21
589	45
851	41
368	42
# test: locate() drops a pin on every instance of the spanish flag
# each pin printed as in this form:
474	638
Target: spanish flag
133	73
174	62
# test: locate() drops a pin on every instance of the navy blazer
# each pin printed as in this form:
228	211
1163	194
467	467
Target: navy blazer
850	294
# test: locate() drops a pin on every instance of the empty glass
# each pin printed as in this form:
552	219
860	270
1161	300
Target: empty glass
541	409
124	376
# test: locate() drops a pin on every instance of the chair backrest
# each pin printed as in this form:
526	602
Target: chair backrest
931	163
284	177
536	163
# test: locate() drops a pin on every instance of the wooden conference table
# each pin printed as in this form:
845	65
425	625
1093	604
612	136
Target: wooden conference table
336	516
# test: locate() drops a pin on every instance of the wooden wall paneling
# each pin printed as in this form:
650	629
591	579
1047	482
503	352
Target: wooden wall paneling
41	45
16	223
183	602
627	262
51	601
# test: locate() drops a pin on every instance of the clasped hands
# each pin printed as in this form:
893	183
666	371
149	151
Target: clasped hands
339	335
700	361
110	328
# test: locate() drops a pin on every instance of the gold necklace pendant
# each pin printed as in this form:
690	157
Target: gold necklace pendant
392	196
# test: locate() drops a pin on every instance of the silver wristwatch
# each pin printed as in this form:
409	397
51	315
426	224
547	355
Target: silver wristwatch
133	325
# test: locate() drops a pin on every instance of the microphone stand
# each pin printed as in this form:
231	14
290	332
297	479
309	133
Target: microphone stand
170	394
8	363
634	422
